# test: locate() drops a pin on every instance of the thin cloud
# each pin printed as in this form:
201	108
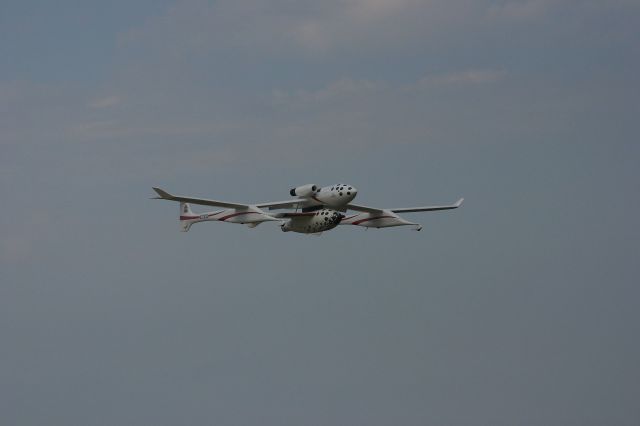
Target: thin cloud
105	102
519	10
467	77
335	90
309	28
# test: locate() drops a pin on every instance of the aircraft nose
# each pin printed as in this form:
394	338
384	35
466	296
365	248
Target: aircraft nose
354	191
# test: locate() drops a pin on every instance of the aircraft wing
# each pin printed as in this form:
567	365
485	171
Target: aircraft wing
290	214
164	195
429	208
366	209
287	204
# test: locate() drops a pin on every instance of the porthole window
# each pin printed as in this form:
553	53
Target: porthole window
341	194
348	193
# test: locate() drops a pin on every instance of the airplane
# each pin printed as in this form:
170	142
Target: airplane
314	211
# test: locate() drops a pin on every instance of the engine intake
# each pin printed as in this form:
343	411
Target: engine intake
304	190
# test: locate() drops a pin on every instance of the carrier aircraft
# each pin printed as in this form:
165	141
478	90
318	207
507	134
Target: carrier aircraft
312	210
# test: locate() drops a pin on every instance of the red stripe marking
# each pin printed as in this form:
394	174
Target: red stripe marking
358	222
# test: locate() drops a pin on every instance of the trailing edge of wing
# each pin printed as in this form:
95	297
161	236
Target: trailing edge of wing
429	208
164	195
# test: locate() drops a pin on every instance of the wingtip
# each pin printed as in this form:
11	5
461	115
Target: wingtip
162	193
459	202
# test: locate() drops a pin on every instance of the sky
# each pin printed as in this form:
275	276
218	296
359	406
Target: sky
521	307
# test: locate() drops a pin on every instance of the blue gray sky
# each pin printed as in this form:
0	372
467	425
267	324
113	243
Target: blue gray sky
520	308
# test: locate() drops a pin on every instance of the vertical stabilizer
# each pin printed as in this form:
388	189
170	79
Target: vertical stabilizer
187	217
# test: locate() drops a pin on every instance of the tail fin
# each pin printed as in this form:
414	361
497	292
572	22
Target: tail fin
186	217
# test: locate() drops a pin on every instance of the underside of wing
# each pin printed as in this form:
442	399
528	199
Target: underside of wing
429	208
292	214
287	204
164	195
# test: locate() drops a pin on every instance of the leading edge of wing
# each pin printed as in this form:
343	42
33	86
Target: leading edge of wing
429	208
164	195
367	209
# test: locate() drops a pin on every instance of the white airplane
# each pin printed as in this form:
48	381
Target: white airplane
315	210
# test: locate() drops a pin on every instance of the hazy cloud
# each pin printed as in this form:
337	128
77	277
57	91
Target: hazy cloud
105	102
520	10
476	76
305	27
337	89
519	308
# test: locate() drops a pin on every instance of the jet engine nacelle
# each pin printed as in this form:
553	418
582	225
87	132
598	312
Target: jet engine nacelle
304	190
